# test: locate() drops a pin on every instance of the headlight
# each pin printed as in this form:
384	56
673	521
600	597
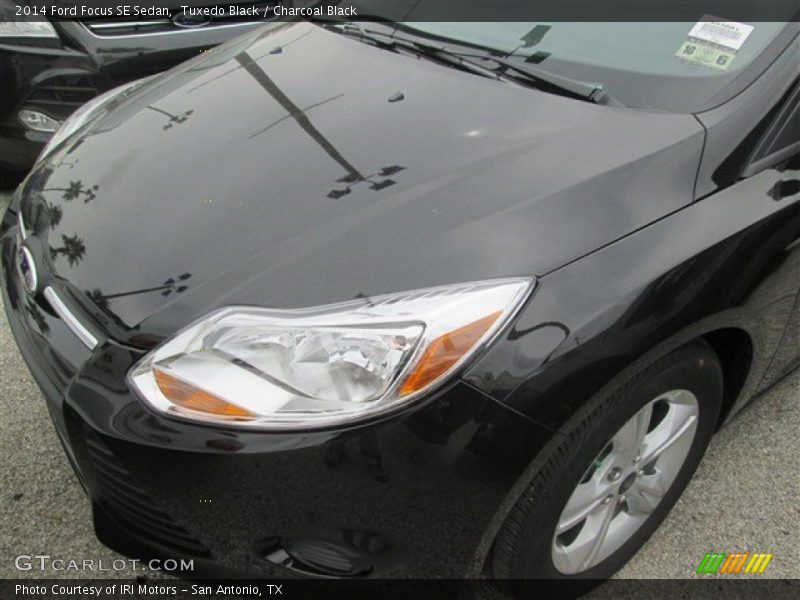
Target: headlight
311	368
85	113
23	29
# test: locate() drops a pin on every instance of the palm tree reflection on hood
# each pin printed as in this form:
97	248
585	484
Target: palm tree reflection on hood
72	247
75	190
54	214
173	285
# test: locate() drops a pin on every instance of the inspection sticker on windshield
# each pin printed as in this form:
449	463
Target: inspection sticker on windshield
721	33
714	43
706	54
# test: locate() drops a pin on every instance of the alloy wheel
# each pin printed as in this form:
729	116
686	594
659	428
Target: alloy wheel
626	482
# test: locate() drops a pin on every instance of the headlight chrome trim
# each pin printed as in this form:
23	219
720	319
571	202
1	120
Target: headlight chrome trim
141	376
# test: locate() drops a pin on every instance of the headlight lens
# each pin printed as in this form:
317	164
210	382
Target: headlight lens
311	368
26	29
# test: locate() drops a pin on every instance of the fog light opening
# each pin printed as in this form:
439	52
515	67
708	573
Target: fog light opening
315	557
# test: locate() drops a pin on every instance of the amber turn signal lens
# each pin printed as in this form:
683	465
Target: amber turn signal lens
444	352
186	395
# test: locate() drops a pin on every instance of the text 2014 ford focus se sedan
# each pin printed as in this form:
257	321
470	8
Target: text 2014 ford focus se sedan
414	300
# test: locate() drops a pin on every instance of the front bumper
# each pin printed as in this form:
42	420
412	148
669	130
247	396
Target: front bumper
410	496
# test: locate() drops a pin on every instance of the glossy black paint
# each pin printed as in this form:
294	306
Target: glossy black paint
56	78
404	484
731	260
364	195
237	179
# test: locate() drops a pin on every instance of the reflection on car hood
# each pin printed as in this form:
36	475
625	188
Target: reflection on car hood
296	166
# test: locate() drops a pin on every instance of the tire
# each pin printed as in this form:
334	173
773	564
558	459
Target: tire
529	559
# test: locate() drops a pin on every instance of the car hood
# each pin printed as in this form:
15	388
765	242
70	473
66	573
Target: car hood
295	167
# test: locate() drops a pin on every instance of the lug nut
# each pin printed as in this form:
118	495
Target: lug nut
615	474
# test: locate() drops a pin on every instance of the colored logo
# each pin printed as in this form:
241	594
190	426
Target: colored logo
722	563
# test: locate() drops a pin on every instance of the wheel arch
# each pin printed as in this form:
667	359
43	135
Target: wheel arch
730	340
734	348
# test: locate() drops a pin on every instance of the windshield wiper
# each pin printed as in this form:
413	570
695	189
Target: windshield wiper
584	90
506	69
388	42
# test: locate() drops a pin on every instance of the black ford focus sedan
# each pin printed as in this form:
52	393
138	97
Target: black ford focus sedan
415	300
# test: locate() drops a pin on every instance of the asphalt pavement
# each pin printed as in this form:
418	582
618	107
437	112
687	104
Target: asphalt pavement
744	496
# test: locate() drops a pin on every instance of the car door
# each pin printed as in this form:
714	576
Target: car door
776	159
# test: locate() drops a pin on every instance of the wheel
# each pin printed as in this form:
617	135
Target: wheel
606	485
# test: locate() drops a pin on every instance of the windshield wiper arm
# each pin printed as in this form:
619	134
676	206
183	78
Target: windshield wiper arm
592	92
507	69
389	42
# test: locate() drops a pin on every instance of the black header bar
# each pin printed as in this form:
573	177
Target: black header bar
410	10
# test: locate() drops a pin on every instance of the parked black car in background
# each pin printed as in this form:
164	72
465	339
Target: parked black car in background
49	69
414	300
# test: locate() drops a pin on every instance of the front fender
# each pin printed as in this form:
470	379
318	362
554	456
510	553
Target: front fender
731	260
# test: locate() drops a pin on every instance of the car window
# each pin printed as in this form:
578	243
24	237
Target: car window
690	65
782	139
787	134
667	66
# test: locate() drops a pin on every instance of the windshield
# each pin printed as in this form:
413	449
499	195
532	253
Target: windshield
673	66
658	65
